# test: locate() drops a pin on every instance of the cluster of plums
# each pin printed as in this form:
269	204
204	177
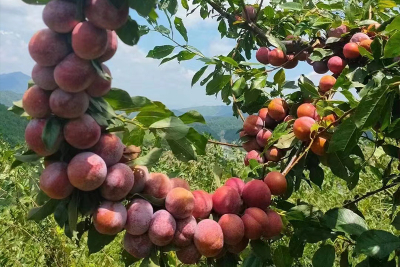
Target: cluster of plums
258	129
240	213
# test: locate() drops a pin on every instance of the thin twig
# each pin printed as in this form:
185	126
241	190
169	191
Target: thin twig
291	162
222	143
237	108
370	194
259	8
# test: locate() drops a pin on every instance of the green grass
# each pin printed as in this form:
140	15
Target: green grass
27	243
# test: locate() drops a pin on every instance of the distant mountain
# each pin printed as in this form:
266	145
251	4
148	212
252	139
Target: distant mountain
7	98
12	126
16	82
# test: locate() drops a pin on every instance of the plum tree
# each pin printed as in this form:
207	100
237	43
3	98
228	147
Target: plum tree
276	57
252	125
235	183
253	154
110	218
232	227
208	238
60	16
203	204
89	41
68	105
262	55
180	203
110	148
276	183
54	181
162	228
87	171
277	109
44	77
184	231
256	194
255	222
48	48
118	183
35	102
82	132
105	15
350	50
139	246
112	46
226	200
302	128
33	138
158	185
139	215
74	74
141	175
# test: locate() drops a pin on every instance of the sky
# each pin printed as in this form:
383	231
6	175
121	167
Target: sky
131	70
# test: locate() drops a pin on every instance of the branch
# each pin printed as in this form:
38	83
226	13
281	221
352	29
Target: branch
337	121
237	107
292	162
222	144
370	194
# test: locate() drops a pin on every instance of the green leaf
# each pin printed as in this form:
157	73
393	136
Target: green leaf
36	2
150	158
40	213
51	133
280	77
259	82
184	4
261	249
282	257
319	54
191	117
159	52
229	60
198	140
182	149
185	55
217	83
97	241
173	127
130	32
276	42
181	28
370	107
345	137
239	86
286	141
292	6
377	243
391	150
392	48
28	156
73	211
167	59
396	221
162	29
170	5
198	75
394	25
345	220
158	202
143	7
119	99
324	256
307	87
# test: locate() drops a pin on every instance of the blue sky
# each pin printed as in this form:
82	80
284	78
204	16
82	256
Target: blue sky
131	70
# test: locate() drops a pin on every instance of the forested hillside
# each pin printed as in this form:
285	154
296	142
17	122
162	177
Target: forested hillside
12	127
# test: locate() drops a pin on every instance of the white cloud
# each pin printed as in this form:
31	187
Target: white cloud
220	46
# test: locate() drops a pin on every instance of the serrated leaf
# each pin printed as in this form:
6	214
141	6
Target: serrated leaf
392	48
377	243
40	213
191	117
150	158
181	28
198	75
159	52
97	241
324	256
345	220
